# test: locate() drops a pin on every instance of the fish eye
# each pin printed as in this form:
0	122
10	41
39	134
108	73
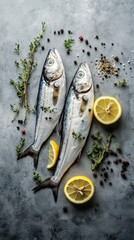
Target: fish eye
80	74
50	62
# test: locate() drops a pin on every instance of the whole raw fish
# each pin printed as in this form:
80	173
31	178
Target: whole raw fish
50	102
76	125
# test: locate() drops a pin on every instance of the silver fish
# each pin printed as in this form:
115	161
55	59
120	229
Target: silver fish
50	103
76	125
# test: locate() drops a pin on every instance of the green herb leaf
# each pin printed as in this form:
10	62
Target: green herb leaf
47	109
78	135
99	150
121	83
68	44
37	178
26	66
20	146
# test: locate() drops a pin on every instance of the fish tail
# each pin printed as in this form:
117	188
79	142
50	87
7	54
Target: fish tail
30	152
48	183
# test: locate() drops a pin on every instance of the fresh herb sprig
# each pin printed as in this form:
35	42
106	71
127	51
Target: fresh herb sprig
68	44
99	151
20	146
47	109
37	178
121	83
78	135
25	66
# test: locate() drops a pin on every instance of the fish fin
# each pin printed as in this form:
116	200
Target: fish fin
30	152
48	183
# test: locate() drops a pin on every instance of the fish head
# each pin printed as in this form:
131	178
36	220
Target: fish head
82	82
53	67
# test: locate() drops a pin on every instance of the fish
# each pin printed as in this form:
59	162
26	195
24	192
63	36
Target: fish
77	119
50	103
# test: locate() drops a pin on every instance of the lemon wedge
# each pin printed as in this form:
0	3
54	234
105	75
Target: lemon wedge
107	109
53	154
79	189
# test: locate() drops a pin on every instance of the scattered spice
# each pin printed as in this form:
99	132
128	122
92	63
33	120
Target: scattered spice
20	146
47	109
95	175
116	58
83	50
70	32
97	86
58	32
96	37
95	48
88	53
75	62
54	32
20	122
18	128
101	183
123	175
62	31
106	67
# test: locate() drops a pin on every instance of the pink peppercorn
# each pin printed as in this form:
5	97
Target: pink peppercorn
81	38
23	131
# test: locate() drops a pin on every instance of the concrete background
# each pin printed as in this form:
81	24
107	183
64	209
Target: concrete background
110	213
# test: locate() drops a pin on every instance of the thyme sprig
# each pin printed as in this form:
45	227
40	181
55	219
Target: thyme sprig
37	178
99	150
25	67
47	109
20	146
78	135
68	44
121	83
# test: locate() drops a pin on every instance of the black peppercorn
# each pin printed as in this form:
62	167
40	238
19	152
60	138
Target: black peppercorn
65	210
43	48
86	41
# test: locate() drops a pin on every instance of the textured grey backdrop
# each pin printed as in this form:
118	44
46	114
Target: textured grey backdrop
23	215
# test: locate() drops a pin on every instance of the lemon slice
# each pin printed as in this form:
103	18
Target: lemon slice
79	189
107	109
53	154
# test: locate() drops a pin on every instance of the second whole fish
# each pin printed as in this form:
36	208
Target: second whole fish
50	103
76	125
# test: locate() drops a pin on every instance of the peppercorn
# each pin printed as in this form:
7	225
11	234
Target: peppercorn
55	32
83	50
89	109
69	32
20	121
112	44
108	162
65	210
116	58
121	53
23	131
62	31
88	53
68	51
116	161
75	62
95	175
115	83
43	48
105	174
125	163
105	179
46	118
48	39
81	38
123	175
96	37
18	128
58	32
103	169
50	118
97	86
86	41
95	48
90	46
101	183
110	183
111	170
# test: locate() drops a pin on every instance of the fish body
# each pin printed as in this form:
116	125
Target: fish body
76	125
50	102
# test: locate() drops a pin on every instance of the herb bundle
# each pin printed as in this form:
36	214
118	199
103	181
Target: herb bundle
20	146
25	66
99	151
68	45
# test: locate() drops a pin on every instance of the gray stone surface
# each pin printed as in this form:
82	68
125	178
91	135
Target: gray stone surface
23	215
